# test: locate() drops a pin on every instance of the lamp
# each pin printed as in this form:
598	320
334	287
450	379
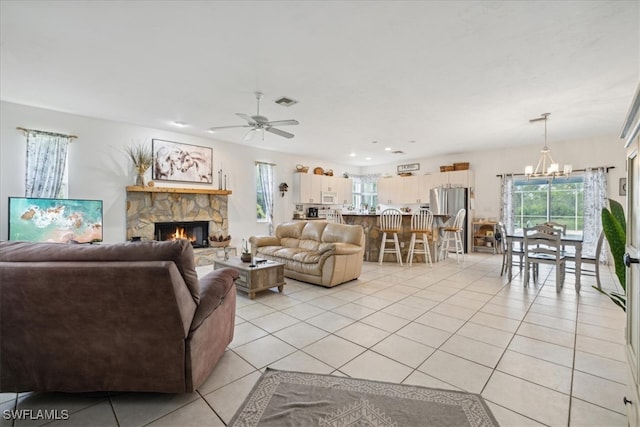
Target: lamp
546	167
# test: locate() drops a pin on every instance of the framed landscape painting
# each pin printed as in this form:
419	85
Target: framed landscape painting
173	161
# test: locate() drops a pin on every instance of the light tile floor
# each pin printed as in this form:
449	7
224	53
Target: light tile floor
537	357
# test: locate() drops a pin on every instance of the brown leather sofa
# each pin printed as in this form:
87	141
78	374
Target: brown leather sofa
318	252
120	317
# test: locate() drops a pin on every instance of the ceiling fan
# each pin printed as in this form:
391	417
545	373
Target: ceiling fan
258	122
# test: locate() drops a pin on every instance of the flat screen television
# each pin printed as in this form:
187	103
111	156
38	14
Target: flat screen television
55	220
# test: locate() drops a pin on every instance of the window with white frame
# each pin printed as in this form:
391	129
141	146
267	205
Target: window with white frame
364	191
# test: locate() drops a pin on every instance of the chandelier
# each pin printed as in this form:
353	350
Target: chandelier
546	166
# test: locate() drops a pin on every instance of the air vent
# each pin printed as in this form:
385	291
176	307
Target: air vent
397	152
285	102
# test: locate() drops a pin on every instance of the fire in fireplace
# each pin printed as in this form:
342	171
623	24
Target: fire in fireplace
196	232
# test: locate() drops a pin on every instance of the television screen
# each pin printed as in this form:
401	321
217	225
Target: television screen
55	220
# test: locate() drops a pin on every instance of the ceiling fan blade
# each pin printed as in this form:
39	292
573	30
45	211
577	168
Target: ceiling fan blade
260	119
279	132
283	123
247	118
249	135
229	127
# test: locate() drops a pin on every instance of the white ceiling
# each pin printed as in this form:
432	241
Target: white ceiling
452	76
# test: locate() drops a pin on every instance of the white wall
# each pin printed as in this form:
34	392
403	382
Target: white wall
99	169
605	151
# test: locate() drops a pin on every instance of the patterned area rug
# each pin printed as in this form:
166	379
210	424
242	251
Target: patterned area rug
282	398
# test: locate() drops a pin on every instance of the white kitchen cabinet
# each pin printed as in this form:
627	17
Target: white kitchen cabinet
390	191
308	188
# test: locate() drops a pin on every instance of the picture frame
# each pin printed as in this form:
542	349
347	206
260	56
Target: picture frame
622	187
175	161
411	167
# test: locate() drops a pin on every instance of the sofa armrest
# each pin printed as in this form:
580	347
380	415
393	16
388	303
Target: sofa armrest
214	288
347	248
258	241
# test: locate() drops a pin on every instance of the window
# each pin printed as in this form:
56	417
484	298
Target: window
540	200
264	193
365	192
46	170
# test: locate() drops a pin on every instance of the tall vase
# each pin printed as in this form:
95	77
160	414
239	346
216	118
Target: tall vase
140	179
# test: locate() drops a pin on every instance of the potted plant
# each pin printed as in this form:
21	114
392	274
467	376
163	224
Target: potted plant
246	253
142	157
614	226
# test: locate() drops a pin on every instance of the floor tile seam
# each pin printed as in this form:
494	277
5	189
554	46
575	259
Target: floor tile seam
550	327
113	411
508	344
582	371
516	412
206	402
331	366
602	339
599	406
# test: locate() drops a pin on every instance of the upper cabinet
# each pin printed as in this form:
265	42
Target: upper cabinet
415	189
308	188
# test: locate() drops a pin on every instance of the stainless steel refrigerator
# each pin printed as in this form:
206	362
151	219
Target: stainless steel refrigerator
448	201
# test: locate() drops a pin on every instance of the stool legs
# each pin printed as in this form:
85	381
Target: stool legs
396	249
425	249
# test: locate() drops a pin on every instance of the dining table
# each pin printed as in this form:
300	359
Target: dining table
570	240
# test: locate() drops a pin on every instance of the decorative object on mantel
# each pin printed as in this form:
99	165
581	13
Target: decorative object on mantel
328	172
318	170
302	169
283	188
219	241
245	256
447	168
546	166
142	158
463	166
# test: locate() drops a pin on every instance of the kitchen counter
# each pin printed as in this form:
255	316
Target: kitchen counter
373	235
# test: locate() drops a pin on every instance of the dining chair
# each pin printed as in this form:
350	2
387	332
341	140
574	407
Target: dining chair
454	234
421	231
553	224
330	215
589	259
339	217
542	245
504	247
390	223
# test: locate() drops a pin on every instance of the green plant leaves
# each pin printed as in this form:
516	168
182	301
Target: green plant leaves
614	226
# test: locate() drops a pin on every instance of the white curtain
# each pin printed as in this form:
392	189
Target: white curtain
506	201
595	198
265	179
46	164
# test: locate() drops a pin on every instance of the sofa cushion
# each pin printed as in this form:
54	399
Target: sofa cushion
215	287
178	251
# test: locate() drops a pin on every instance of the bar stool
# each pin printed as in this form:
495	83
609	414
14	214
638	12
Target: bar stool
390	222
421	225
454	233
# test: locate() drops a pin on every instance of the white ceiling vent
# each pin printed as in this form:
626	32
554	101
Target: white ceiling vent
285	102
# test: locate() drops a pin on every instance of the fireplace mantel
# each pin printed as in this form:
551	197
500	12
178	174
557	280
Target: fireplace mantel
140	189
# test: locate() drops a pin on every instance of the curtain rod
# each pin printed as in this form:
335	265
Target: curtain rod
606	169
46	133
265	163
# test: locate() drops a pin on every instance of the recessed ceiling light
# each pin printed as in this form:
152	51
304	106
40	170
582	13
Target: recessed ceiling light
352	154
367	158
179	124
387	149
212	131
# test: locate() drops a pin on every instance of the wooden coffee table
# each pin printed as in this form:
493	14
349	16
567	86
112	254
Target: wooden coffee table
264	275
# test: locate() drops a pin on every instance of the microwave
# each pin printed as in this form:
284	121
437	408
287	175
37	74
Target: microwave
329	198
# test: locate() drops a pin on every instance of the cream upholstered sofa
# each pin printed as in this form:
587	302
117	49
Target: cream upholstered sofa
318	252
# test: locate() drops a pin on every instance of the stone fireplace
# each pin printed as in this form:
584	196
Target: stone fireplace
148	206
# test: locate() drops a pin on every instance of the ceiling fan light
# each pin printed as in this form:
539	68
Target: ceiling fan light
553	168
528	170
567	169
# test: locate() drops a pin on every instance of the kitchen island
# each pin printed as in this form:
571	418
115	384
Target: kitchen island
370	222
